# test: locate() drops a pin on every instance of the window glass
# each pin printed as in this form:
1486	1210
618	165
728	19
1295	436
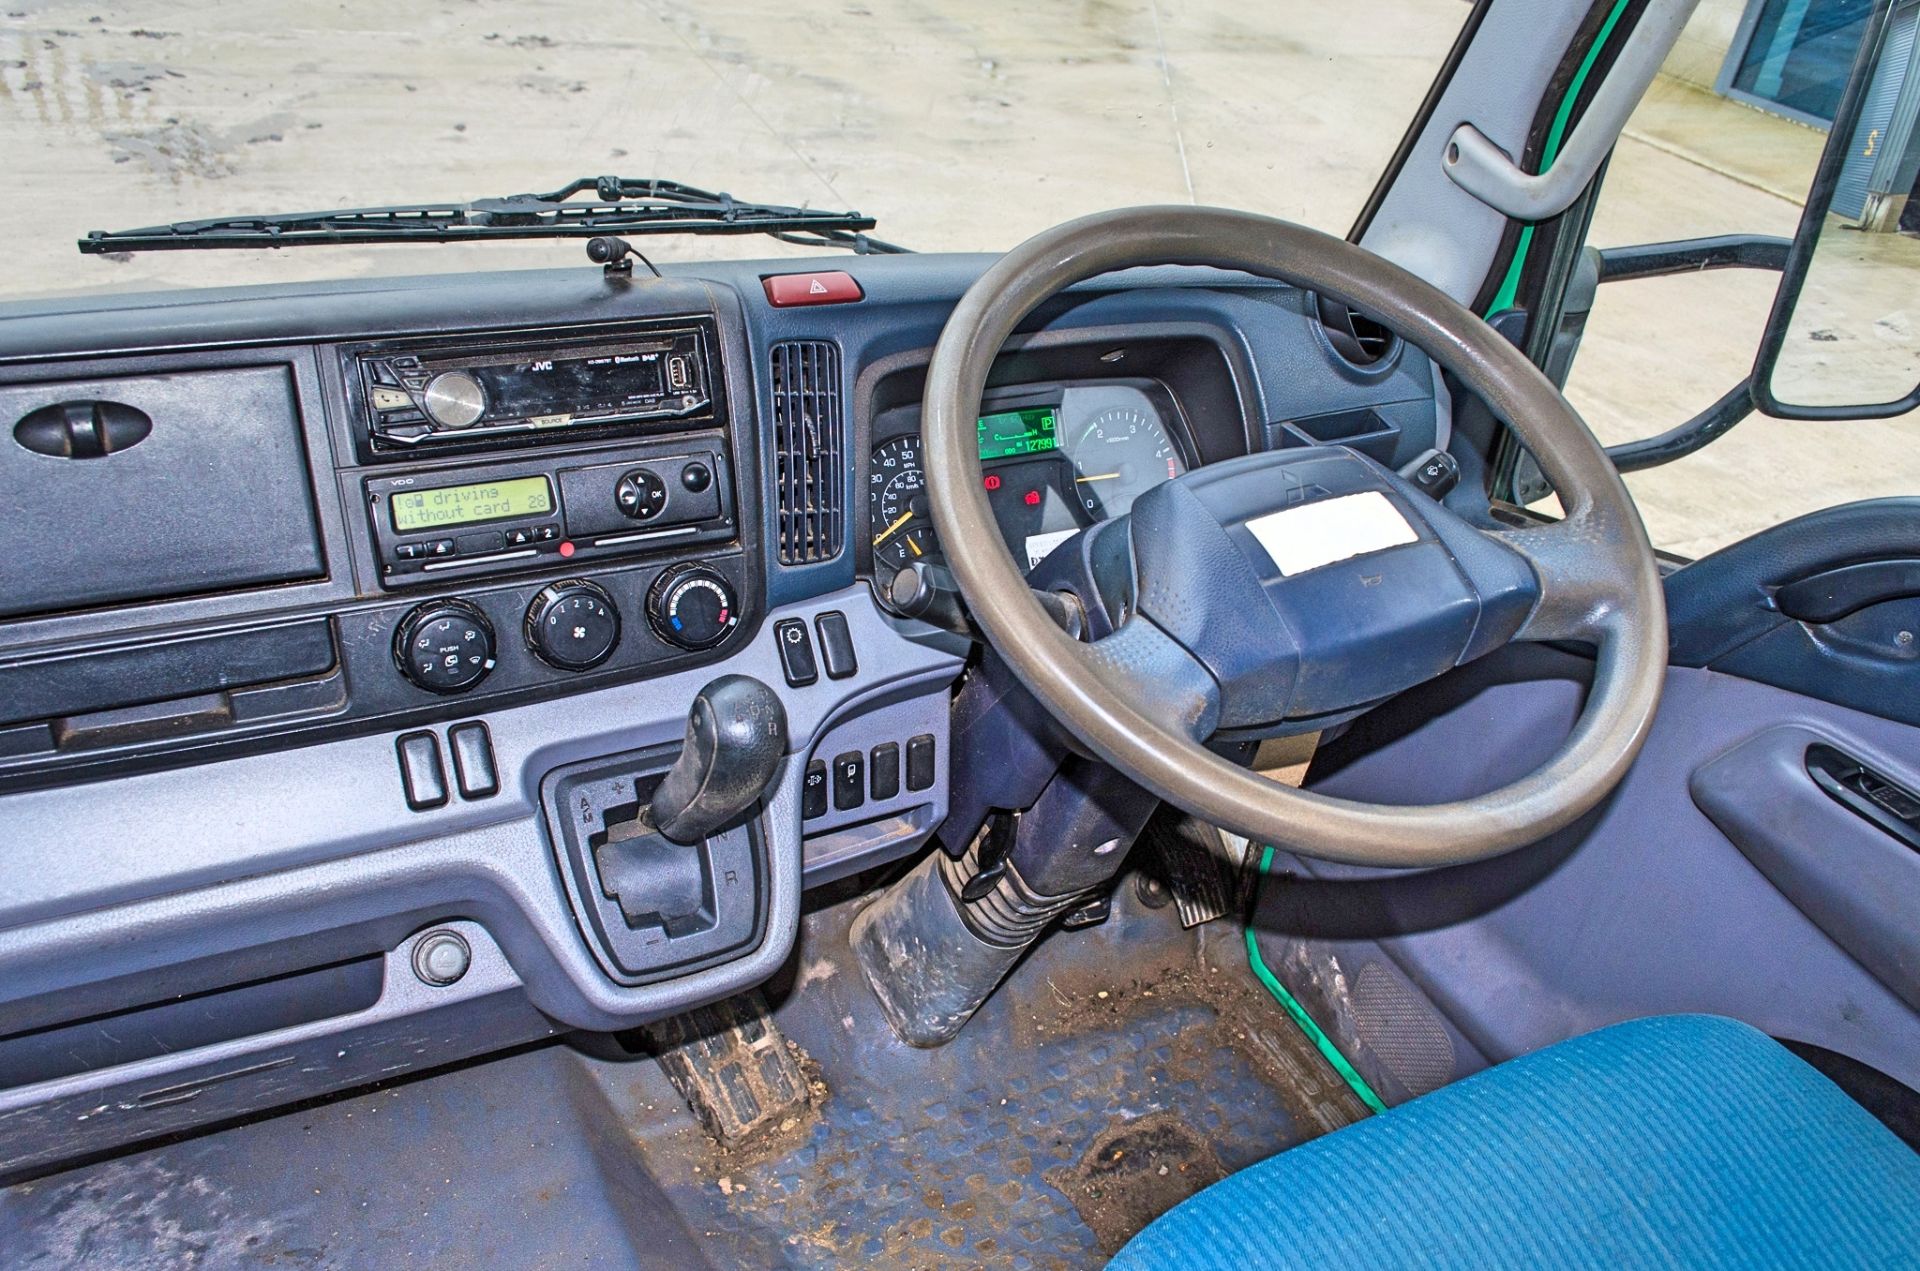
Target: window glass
960	125
1799	52
1695	161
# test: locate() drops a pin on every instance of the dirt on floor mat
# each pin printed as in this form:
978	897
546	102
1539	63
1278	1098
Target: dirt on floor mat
1134	1172
1118	1071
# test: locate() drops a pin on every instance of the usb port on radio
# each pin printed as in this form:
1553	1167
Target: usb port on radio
679	374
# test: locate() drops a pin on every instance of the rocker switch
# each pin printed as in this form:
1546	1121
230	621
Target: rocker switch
836	644
796	652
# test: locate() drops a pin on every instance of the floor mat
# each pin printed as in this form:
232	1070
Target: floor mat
1120	1069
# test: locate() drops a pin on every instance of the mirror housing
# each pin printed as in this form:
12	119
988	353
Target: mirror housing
1866	85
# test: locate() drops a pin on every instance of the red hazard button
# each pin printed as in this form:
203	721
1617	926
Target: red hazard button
835	287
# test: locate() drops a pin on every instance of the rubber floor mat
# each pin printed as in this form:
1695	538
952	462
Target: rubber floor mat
1119	1070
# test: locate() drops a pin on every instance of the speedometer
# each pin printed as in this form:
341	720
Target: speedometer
897	503
1118	455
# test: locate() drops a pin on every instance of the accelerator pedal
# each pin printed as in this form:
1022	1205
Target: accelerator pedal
740	1075
1204	873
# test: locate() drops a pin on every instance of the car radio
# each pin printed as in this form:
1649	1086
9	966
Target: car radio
421	395
459	522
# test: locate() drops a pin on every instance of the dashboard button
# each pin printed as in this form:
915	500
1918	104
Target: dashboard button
829	287
573	625
695	477
884	763
813	791
836	645
920	762
796	652
473	767
849	780
640	494
481	543
421	775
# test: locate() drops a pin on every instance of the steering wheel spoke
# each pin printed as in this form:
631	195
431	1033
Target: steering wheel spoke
1151	670
1584	585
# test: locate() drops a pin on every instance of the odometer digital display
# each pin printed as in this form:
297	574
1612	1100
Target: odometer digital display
1031	430
434	509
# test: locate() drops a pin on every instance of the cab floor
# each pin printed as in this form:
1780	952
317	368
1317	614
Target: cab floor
1120	1069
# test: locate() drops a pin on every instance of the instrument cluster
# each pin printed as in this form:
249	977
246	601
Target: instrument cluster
1054	461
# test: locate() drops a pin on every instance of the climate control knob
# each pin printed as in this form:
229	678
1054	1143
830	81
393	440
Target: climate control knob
573	625
444	646
692	606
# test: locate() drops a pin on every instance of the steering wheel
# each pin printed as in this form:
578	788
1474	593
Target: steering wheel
1308	583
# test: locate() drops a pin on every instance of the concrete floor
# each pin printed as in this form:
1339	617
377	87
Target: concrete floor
961	126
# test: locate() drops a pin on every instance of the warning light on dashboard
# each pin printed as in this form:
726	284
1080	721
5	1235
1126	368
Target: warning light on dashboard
992	483
1033	498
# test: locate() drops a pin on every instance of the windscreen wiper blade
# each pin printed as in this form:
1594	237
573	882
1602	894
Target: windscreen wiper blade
614	206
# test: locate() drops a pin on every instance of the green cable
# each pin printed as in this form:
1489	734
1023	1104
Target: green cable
1298	1013
1555	135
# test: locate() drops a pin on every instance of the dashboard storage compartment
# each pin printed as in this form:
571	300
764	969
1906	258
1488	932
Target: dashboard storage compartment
50	687
171	1027
160	486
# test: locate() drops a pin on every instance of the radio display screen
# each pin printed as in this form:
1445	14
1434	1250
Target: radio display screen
542	386
448	505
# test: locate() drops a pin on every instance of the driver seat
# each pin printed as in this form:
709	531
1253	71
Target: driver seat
1682	1140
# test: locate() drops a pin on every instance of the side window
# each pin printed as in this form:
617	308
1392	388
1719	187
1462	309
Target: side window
1726	142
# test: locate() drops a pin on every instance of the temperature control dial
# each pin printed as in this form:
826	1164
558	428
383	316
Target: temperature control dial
573	625
692	606
444	646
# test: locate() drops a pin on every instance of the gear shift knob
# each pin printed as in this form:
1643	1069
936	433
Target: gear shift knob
736	735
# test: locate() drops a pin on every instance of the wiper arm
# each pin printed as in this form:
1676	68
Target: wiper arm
616	206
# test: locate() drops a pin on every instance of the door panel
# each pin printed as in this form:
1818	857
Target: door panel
1842	867
1643	907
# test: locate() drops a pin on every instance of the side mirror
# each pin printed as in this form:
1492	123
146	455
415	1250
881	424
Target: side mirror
1843	341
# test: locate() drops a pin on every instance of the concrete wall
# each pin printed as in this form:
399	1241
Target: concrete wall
1702	48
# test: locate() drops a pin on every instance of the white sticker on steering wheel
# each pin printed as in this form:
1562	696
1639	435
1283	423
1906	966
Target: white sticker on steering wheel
1040	546
1314	534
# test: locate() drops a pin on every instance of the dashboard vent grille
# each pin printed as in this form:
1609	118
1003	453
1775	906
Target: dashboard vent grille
809	449
1354	336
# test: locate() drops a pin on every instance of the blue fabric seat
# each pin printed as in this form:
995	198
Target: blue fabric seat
1681	1140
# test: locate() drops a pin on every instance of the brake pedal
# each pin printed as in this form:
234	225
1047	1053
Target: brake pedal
739	1074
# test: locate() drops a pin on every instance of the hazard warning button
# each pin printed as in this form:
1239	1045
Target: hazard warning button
835	287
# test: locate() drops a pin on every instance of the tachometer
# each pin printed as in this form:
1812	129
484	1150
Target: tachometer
1118	455
897	503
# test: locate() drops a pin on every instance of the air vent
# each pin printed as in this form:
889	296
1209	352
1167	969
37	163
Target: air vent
1354	336
809	448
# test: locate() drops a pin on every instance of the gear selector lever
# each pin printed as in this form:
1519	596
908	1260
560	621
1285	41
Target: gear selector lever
736	734
658	866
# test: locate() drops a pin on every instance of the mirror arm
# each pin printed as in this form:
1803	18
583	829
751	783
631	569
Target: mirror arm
1677	443
1694	255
